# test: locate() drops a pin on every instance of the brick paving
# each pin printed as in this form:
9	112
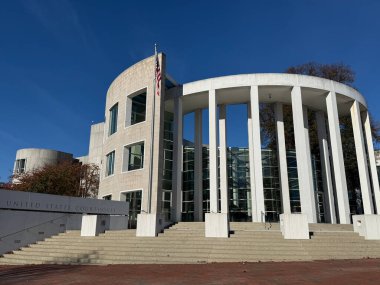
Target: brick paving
366	271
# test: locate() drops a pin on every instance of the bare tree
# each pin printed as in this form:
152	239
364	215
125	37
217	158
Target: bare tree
344	74
337	71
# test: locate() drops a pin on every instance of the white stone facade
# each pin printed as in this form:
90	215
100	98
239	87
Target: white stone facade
327	99
34	158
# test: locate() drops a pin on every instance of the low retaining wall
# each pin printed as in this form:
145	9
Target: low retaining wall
20	228
26	217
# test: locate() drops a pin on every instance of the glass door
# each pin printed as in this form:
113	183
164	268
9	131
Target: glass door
134	199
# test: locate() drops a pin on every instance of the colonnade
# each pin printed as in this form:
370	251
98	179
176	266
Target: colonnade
330	146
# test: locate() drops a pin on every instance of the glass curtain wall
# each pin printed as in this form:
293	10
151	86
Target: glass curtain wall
351	166
271	181
319	193
205	180
188	184
239	190
166	203
295	200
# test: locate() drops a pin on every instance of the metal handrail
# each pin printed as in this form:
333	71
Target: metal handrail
25	229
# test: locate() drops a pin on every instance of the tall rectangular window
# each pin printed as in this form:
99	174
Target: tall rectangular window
136	107
110	166
20	166
113	119
133	157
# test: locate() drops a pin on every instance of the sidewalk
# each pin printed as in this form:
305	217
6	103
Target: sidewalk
365	271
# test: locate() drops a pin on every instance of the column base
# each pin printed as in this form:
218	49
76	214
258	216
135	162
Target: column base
92	225
367	226
294	226
148	225
217	225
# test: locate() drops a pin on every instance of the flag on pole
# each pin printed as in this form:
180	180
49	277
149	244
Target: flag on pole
158	76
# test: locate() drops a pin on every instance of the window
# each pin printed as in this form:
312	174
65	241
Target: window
110	163
113	119
108	197
136	109
20	166
133	157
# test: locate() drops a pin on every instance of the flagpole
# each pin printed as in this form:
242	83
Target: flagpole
152	133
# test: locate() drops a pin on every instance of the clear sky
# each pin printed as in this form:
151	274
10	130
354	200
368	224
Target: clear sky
58	57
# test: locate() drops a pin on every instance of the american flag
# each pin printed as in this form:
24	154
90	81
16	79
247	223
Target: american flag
158	76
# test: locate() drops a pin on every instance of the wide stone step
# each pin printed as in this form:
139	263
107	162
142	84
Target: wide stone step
163	241
337	239
132	255
330	227
248	240
62	258
164	260
155	247
240	250
245	243
176	243
185	243
236	234
199	255
341	235
124	251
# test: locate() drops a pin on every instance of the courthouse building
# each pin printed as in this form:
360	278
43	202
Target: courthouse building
293	162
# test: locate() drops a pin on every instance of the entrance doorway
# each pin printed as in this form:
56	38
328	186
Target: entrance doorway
134	199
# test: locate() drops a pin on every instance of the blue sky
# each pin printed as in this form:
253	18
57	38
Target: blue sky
58	57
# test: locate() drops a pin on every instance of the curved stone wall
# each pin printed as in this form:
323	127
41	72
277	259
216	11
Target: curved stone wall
328	100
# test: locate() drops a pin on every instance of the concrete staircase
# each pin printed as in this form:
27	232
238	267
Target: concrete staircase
185	243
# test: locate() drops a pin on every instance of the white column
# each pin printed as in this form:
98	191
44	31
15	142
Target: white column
216	224
198	171
338	161
372	161
223	159
177	160
255	218
304	170
281	156
257	163
361	157
325	166
213	152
